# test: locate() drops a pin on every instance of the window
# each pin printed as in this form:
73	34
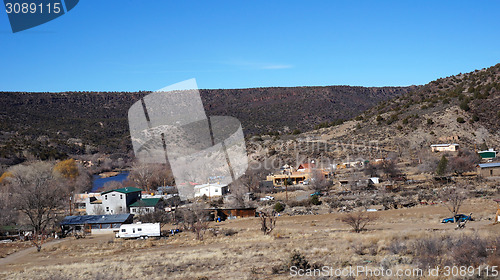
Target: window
139	229
121	208
106	197
491	172
113	195
121	196
216	190
124	230
107	209
133	210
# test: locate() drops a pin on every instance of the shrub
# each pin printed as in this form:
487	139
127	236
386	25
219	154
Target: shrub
430	122
298	260
464	105
296	131
315	200
357	221
279	207
460	120
475	118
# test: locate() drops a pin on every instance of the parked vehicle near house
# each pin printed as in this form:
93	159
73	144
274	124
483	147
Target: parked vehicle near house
457	218
266	198
139	230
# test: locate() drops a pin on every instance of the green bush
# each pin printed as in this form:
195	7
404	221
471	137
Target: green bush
279	207
460	120
430	122
315	200
464	105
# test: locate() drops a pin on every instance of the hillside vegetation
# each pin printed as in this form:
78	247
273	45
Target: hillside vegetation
463	109
54	125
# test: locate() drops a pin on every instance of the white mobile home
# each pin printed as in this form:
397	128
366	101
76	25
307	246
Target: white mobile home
139	230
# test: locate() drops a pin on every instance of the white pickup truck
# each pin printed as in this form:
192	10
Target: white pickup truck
139	230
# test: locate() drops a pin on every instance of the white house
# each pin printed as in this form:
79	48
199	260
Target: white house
119	200
210	190
444	147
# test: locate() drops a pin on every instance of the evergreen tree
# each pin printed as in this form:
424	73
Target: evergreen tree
441	167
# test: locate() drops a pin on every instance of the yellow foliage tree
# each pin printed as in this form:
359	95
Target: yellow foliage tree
67	168
5	175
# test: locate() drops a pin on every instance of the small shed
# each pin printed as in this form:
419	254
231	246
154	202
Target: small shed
94	223
444	147
231	213
488	154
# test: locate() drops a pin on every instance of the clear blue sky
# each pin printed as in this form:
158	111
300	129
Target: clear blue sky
116	45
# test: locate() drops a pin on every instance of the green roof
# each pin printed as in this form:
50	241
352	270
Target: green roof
124	190
146	202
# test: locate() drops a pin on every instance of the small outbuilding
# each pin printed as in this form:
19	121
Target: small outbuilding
488	169
488	154
445	147
231	213
210	190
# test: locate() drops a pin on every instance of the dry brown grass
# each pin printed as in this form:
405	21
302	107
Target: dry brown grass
248	254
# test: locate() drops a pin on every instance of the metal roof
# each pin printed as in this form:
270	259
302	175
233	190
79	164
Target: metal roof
96	219
124	190
443	145
146	202
491	164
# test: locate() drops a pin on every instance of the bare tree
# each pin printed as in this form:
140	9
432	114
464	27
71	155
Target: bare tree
318	181
465	161
98	210
8	213
37	194
267	221
454	198
194	218
389	167
358	220
157	216
149	176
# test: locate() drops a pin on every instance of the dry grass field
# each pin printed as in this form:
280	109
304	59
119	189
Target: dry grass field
238	250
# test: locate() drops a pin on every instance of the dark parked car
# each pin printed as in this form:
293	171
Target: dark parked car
317	194
458	218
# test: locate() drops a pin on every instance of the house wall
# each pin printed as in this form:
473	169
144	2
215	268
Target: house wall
488	171
212	191
141	210
114	202
451	148
93	208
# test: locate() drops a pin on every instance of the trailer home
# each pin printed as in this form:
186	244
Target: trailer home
139	230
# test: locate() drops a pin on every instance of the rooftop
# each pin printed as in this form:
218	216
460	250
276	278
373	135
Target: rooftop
443	145
487	165
95	219
124	190
146	202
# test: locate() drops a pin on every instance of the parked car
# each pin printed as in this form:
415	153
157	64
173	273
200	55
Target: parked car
266	198
457	218
316	193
